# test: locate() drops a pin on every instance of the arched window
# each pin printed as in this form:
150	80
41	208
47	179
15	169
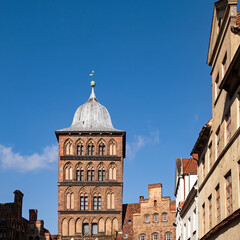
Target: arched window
94	228
168	236
68	172
112	148
164	217
155	217
65	227
78	226
155	203
101	148
90	173
115	225
80	148
110	199
85	229
142	237
147	218
68	148
155	236
101	172
112	172
83	202
79	173
90	148
108	227
97	203
101	225
70	200
71	227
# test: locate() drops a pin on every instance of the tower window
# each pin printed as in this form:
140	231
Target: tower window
80	149
83	203
90	175
164	217
85	229
101	148
97	203
155	217
146	218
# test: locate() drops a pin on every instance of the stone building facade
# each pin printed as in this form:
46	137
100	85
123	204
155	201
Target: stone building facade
90	180
218	143
14	227
151	218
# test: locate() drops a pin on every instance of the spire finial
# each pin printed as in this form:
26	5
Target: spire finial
92	82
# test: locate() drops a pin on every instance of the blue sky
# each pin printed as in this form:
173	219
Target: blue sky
150	67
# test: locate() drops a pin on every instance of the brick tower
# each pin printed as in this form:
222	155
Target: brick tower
90	174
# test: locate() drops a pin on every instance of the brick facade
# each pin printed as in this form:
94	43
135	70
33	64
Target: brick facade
102	221
151	218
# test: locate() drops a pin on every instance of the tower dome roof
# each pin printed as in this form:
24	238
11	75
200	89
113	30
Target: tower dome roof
91	116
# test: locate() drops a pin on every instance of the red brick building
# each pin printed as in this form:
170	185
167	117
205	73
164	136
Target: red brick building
90	179
151	218
15	227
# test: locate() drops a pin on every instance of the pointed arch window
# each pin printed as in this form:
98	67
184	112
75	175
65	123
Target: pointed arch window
68	172
91	148
112	173
83	202
70	200
110	200
80	149
79	174
90	173
68	148
101	173
112	148
101	148
97	203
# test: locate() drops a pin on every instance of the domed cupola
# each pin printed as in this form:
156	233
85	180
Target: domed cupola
91	116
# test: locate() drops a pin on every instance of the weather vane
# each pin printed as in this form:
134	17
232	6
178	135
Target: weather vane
92	82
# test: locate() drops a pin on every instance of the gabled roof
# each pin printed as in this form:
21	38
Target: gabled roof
189	166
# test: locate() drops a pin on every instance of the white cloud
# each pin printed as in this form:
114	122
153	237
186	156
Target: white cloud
21	163
140	142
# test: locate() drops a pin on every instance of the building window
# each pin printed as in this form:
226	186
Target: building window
79	174
110	200
216	86
228	126
210	158
218	149
155	236
94	228
155	203
80	149
83	203
155	217
168	236
224	65
101	148
229	193
90	148
218	209
101	174
85	229
112	172
164	217
142	237
90	174
97	203
146	218
203	218
68	172
70	201
210	211
203	167
68	148
112	148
